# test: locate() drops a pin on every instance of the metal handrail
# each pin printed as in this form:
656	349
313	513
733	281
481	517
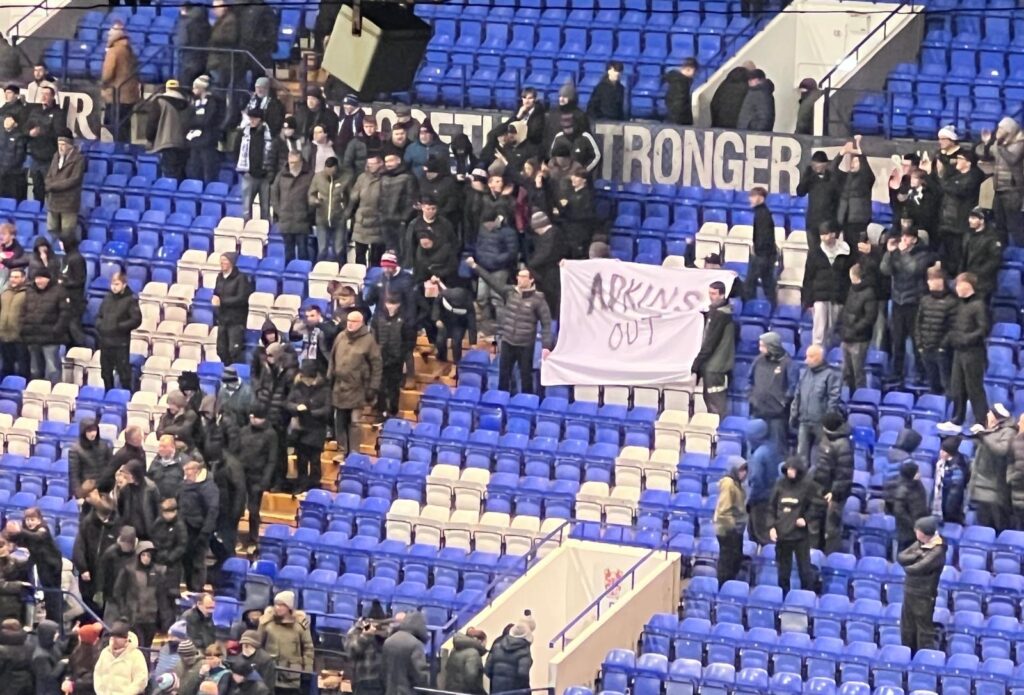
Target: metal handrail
550	690
596	603
825	83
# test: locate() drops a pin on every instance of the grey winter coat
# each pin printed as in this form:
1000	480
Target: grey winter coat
1007	157
854	192
992	459
817	392
289	196
758	110
464	672
365	202
403	660
522	312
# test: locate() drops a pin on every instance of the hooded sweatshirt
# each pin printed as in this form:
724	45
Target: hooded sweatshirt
763	460
791	500
731	509
464	672
46	666
16	662
834	471
771	388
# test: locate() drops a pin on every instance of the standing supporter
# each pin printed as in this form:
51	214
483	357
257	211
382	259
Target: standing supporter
439	184
198	505
906	261
231	300
234	400
758	109
45	327
576	212
252	150
809	95
289	196
82	661
290	139
251	652
438	229
43	125
48	661
497	248
119	80
364	209
525	307
821	185
316	337
167	469
222	66
392	281
118	316
309	405
396	336
993	459
13	350
951	475
960	186
169	542
967	338
771	387
566	111
121	668
275	382
89	459
323	149
678	100
15	577
922	564
730	520
43	258
257	30
165	130
355	375
464	672
63	184
1004	152
113	560
533	114
921	205
203	131
199	622
607	101
906	495
404	665
99	530
351	121
263	98
899	183
138	500
72	276
932	331
765	254
179	420
855	183
426	147
548	249
13	153
16	655
191	35
857	323
435	259
327	199
583	147
13	104
43	555
141	588
716	358
790	505
396	201
983	252
817	392
454	318
764	458
833	473
313	113
286	635
728	98
826	282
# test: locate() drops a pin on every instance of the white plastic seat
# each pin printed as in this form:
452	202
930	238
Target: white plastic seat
164	342
93	372
678	397
794	250
431	525
226	233
521	534
709	239
211	269
260	304
700	433
22	435
666	437
590	394
321	275
590	500
154	371
286	308
739	244
33	399
459	531
190	266
645	397
616	395
628	474
491	530
352	274
658	479
230	225
177	303
674	262
191	341
179	365
76	360
621	505
548	527
253	239
61	402
400	519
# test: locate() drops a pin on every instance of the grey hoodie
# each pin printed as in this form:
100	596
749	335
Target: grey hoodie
1006	156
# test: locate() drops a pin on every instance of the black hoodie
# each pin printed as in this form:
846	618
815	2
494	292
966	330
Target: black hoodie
728	99
89	460
16	663
834	470
46	660
791	500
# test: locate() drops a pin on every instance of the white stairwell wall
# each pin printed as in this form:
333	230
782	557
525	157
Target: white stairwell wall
808	39
564	583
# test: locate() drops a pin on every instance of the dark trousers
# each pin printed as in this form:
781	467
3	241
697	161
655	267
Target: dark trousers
390	387
38	175
203	163
307	466
936	365
116	360
253	500
145	632
762	269
344	420
369	252
967	383
296	246
716	395
231	343
917	629
759	524
730	556
854	355
14	185
784	552
951	250
454	329
117	117
1008	218
852	232
15	359
834	526
172	163
194	562
992	514
512	355
901	324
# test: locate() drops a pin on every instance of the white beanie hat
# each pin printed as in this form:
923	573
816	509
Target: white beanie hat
287	598
949	132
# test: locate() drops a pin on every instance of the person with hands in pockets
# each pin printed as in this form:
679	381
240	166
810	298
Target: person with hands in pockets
790	505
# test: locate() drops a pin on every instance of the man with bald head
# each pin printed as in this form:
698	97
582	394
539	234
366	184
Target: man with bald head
817	393
355	372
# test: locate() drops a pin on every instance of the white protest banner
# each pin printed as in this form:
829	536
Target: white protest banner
628	323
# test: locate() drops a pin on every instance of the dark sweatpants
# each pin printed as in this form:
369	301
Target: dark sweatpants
917	629
967	383
784	552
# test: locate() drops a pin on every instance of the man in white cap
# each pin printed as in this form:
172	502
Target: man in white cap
284	632
949	145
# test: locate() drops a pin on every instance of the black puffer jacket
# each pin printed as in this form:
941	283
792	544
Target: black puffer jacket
923	566
909	501
95	535
908	270
118	316
395	334
257	450
678	101
822	191
855	192
959	197
728	99
970	324
983	254
859	313
934	320
791	500
274	384
825	281
89	460
309	426
46	320
16	663
508	666
234	291
606	102
833	472
523	310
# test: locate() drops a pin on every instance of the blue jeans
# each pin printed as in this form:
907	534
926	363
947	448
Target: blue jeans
251	188
332	236
44	362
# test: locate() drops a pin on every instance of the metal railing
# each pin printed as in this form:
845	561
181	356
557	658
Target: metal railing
852	57
595	605
550	690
